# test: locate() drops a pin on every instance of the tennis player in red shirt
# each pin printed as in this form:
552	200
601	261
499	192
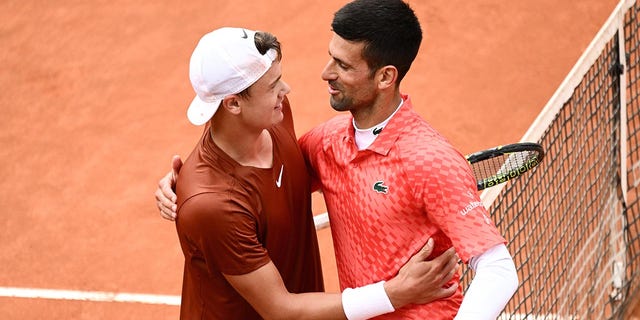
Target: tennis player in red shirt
389	179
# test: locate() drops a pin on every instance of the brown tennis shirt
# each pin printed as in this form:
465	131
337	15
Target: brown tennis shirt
234	219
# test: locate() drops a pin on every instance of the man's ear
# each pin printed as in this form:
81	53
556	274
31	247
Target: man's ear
387	76
231	104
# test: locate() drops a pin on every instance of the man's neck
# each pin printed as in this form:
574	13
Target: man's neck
251	149
377	113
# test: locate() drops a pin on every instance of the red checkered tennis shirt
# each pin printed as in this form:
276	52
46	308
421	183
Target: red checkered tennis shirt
385	202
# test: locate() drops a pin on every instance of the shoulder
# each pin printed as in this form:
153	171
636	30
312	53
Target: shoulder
332	127
418	137
216	210
429	153
430	150
209	184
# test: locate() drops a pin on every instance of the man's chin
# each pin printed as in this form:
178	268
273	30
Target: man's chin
279	118
337	105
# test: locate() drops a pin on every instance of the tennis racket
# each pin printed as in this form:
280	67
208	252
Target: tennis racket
497	165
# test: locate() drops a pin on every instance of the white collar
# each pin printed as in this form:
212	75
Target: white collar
365	137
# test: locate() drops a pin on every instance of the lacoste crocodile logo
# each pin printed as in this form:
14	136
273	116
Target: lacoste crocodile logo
379	187
376	131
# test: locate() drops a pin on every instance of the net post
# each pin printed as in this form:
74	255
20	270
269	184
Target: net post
623	108
619	245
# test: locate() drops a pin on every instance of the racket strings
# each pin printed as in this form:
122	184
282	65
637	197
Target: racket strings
505	164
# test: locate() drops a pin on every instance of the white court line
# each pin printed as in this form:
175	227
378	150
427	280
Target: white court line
519	316
99	296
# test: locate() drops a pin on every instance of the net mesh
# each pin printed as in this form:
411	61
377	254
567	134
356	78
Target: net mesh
573	223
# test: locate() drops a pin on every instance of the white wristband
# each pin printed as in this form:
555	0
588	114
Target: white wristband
366	302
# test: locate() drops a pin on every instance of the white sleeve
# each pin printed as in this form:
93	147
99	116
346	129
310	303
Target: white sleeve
494	283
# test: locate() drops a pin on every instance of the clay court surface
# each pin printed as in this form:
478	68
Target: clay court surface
93	101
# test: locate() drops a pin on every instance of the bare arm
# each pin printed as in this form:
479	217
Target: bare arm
419	281
265	291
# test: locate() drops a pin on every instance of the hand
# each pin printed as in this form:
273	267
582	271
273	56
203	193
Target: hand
165	195
421	281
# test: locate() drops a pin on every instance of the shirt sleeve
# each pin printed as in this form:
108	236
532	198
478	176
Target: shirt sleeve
311	146
222	232
494	283
287	113
452	202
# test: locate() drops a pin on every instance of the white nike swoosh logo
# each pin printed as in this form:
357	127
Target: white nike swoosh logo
279	181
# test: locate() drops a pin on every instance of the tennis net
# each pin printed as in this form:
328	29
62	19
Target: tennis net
573	224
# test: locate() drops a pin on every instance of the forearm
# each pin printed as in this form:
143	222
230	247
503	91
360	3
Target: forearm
266	292
353	304
307	306
494	283
418	281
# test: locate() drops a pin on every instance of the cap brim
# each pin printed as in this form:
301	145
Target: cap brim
200	112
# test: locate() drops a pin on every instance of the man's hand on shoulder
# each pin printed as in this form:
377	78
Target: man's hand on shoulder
165	194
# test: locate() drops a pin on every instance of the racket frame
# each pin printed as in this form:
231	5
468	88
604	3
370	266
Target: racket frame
498	151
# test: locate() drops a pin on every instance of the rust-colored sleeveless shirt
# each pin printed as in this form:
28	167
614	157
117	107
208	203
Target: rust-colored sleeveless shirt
234	219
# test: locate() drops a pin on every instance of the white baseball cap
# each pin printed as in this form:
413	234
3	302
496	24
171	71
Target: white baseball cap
225	61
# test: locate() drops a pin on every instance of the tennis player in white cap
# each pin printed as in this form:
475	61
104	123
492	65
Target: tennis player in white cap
244	207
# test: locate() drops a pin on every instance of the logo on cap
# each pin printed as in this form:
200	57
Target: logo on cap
244	34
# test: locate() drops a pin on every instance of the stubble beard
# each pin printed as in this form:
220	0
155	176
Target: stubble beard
340	105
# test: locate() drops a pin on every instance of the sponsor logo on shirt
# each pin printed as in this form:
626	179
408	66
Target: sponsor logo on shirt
472	205
279	181
469	207
379	187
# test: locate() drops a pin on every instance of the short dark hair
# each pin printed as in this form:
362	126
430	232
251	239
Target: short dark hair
389	29
264	41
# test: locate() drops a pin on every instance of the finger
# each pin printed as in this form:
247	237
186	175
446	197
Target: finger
447	292
168	195
452	257
441	293
449	271
167	203
444	259
167	208
164	200
176	164
449	255
165	185
167	214
425	252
